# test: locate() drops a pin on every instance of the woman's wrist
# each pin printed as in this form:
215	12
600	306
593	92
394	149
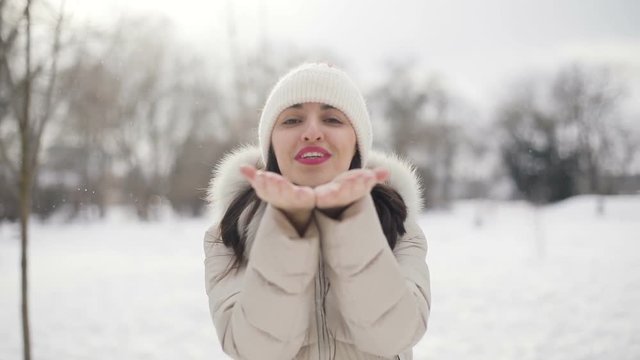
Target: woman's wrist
300	219
334	212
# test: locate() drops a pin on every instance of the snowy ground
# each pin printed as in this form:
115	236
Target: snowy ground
559	282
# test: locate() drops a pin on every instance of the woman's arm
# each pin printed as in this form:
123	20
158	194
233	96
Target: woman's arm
262	310
384	296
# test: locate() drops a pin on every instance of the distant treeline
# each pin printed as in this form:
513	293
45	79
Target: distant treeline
138	117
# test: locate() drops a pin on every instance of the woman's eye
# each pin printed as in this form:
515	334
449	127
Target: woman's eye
291	121
333	120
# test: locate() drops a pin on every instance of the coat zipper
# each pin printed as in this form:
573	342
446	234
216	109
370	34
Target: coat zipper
324	344
320	315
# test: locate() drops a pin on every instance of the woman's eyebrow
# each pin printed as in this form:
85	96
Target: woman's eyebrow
327	107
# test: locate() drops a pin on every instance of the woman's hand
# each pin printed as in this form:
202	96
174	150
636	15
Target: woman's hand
296	202
347	188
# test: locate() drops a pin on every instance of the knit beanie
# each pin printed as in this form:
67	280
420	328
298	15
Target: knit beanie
321	83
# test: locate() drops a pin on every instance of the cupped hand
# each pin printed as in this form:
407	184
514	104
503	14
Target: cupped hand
276	190
348	187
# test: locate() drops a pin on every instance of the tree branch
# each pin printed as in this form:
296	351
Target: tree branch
5	158
5	45
55	53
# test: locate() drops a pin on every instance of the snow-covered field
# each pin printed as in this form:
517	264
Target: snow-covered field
508	281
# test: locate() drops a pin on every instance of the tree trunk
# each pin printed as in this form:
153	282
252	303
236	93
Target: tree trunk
26	177
25	201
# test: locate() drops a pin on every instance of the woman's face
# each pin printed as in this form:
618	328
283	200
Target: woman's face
313	143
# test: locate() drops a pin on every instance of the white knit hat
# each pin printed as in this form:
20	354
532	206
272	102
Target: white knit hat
322	83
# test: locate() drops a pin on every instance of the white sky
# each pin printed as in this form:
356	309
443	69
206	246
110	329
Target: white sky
477	47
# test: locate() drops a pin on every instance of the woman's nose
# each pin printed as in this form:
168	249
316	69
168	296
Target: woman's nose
312	131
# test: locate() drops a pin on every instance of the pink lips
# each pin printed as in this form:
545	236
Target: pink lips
324	155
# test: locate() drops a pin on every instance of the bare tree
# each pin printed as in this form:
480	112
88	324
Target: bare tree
443	139
83	145
26	83
563	137
128	110
587	100
422	122
536	157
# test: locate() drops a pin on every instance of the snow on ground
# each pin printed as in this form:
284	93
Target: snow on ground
509	281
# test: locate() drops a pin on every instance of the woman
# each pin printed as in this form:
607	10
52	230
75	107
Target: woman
315	252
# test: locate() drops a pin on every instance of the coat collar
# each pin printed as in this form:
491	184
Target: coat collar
227	180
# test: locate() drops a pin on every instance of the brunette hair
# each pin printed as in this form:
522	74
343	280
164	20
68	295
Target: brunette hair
390	207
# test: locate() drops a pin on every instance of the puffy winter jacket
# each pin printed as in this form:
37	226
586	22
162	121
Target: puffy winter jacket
337	292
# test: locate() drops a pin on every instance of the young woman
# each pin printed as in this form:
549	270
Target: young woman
315	252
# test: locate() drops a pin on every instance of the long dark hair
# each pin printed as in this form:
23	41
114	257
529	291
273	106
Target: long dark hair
390	207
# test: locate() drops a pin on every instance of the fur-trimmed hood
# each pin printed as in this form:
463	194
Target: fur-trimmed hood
227	180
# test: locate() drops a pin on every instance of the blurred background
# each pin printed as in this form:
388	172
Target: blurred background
501	100
522	117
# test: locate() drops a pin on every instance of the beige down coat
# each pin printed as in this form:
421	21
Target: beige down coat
337	292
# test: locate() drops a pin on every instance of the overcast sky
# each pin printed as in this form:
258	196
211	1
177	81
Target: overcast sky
477	47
